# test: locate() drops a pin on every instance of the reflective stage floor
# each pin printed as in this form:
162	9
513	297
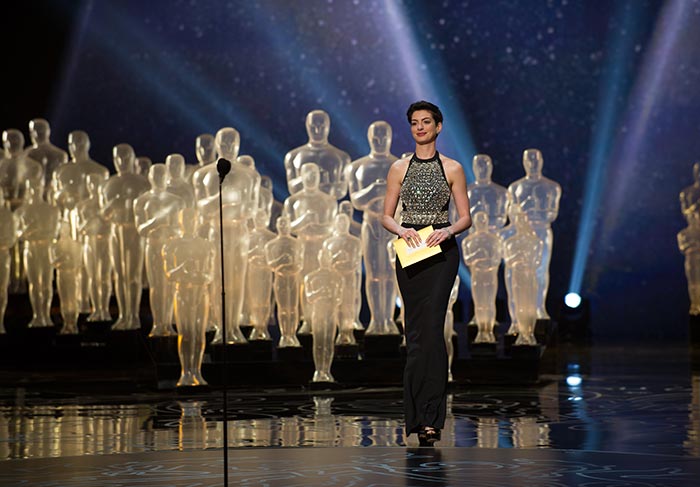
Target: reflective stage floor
633	421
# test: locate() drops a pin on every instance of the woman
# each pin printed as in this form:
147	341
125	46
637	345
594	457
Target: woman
425	182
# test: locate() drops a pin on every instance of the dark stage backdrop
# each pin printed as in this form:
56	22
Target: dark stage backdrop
607	90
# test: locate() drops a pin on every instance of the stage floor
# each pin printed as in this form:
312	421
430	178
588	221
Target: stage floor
633	421
366	467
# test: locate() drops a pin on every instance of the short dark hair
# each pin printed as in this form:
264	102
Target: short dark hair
424	105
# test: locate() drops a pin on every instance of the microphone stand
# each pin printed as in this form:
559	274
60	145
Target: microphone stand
223	167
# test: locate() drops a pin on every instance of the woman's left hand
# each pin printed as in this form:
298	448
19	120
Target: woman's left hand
437	237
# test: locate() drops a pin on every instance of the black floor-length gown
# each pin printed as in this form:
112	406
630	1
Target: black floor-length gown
425	291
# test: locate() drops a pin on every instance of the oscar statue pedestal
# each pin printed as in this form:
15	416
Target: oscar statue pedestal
98	354
258	350
38	345
307	344
472	331
290	354
526	352
483	350
164	349
346	352
543	330
694	330
382	346
126	346
164	353
68	348
94	329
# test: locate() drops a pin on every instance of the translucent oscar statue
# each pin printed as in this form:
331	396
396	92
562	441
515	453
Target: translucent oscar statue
189	265
156	212
323	292
482	253
39	224
450	328
522	253
71	190
8	238
67	258
285	256
690	195
176	181
346	259
346	208
689	238
240	192
266	199
201	177
689	245
259	278
487	196
95	231
249	162
16	169
311	213
505	233
142	165
42	150
16	173
367	187
330	160
399	299
205	151
275	206
70	178
126	247
539	198
262	198
267	204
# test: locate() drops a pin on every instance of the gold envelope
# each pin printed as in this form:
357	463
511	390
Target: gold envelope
410	255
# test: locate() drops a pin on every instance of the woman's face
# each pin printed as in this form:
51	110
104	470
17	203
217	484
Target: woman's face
423	127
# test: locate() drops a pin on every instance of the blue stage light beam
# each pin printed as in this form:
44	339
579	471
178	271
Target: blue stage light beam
422	79
459	139
194	96
317	86
68	69
204	93
621	41
676	17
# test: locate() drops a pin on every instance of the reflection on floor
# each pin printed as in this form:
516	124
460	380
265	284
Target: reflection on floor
633	420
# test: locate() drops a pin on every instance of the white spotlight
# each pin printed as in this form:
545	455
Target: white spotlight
572	300
574	380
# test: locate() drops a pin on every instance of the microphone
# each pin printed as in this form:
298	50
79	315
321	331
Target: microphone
223	166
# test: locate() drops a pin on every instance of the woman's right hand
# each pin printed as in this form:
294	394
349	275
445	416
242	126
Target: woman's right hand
411	237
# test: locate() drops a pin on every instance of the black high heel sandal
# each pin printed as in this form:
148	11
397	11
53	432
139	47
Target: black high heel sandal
428	436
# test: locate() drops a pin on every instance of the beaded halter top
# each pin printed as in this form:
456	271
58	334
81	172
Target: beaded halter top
425	192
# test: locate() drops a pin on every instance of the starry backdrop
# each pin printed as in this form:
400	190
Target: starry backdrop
607	90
